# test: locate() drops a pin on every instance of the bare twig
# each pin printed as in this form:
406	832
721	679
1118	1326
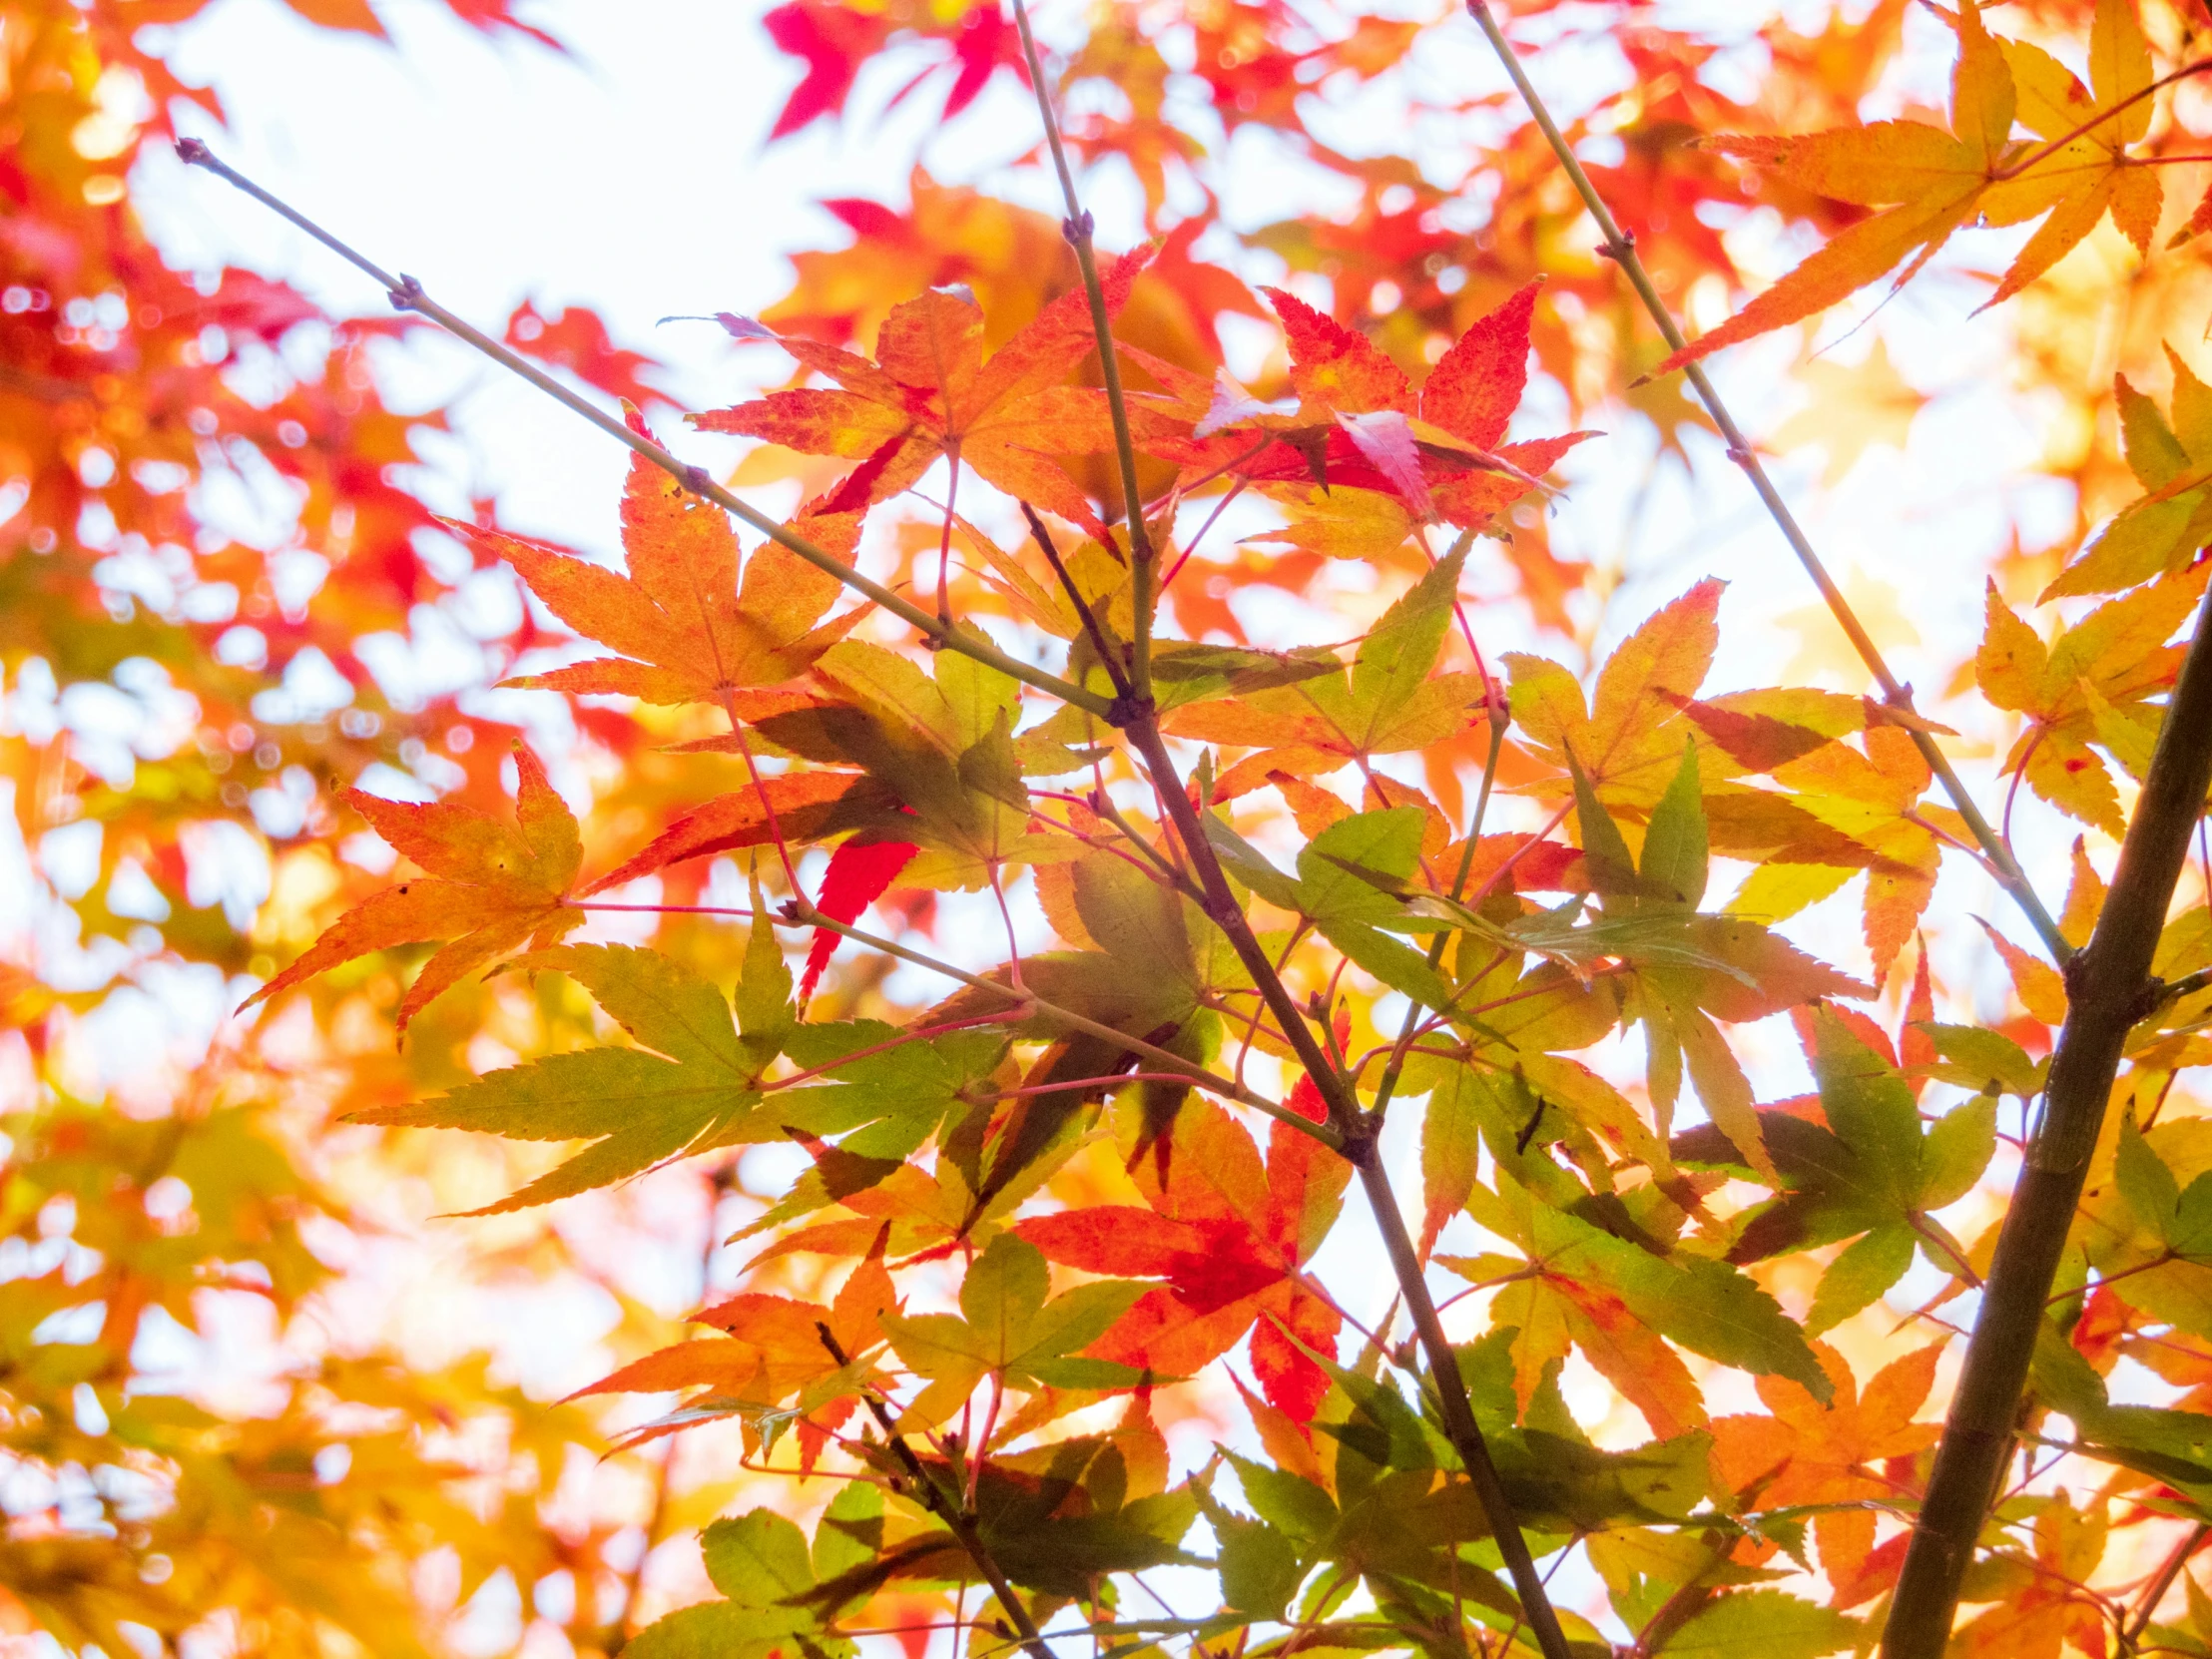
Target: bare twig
947	1509
1620	247
407	295
1357	1131
1108	657
1077	228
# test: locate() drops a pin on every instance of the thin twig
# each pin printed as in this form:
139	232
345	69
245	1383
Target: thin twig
1108	657
1077	228
801	913
1357	1137
1621	249
955	1517
407	295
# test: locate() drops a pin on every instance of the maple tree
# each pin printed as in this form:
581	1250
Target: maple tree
1042	936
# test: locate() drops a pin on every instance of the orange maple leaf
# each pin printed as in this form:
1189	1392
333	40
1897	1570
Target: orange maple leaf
1806	1452
1927	182
932	392
686	630
488	889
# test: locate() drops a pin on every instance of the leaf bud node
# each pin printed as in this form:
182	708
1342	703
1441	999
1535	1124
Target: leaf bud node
1619	250
696	481
2148	1000
1078	228
1127	710
406	295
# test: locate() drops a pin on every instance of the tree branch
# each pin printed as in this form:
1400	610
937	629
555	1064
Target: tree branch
1620	247
407	295
1357	1135
1077	228
955	1517
2110	988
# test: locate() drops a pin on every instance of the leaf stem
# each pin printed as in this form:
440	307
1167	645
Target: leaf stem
2015	168
1391	1072
2146	1605
1077	228
1357	1133
1620	247
801	913
1108	657
406	295
2110	988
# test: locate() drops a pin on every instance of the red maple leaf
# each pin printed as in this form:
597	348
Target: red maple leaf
1228	1239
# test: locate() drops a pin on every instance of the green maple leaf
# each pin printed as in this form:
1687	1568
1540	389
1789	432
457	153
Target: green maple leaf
1872	1174
692	1081
1008	1327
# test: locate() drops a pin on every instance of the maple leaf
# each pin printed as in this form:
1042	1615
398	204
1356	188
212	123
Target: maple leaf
1839	810
686	630
1359	423
1228	1237
1626	740
1815	1451
1926	182
576	340
488	890
2043	1609
1616	1297
2161	531
1850	408
808	805
858	871
772	1351
2147	1222
2094	685
932	392
2084	170
1388	702
941	746
832	41
692	1081
1683	971
1864	1171
1006	1327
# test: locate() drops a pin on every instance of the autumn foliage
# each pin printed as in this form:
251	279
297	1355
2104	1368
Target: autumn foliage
1251	1059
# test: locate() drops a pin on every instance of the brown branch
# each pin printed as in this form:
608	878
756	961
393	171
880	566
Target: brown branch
406	295
1077	228
955	1517
1356	1130
1620	247
2110	988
